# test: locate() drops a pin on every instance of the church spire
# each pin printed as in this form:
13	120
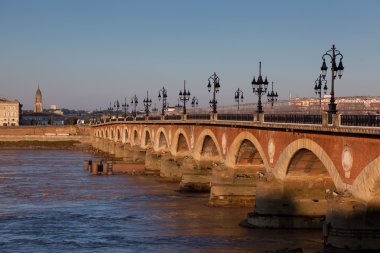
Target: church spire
38	106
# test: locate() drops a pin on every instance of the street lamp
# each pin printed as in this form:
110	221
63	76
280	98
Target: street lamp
184	96
117	106
134	102
162	93
335	71
272	96
110	109
194	102
147	103
239	96
259	87
216	87
318	88
125	107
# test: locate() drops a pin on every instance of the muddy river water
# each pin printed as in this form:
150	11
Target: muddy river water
49	203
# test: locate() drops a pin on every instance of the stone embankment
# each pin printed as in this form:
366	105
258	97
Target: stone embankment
46	137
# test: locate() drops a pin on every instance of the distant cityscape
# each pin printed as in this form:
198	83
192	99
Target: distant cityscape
12	113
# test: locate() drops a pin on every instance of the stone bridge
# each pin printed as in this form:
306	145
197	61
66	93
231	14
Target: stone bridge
295	175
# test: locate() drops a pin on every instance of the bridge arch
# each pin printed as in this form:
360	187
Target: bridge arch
112	134
125	135
300	147
366	184
118	135
180	145
135	138
246	147
207	147
161	140
146	138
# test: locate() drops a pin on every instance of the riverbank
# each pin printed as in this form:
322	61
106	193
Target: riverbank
49	145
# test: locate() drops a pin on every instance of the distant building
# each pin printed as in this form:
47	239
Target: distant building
38	106
42	118
9	112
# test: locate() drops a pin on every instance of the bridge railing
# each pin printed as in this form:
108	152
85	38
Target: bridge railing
360	120
294	118
198	116
235	117
316	119
140	118
154	118
172	117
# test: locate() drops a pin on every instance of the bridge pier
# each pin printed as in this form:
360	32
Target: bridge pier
171	167
152	162
352	225
119	150
196	175
234	187
282	205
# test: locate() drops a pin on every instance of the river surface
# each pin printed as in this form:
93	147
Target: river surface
49	203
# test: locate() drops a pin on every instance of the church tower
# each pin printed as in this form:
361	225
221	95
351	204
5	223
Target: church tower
38	107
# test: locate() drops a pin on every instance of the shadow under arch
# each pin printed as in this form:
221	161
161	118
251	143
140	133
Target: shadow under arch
118	135
181	144
125	135
161	140
146	138
111	134
205	143
365	186
134	139
234	149
285	159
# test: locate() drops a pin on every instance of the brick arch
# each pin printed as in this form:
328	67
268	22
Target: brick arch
135	137
236	145
119	136
161	140
181	144
365	186
125	135
112	134
281	168
146	138
206	137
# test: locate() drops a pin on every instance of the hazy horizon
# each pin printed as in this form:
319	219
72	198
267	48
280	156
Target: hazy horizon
86	54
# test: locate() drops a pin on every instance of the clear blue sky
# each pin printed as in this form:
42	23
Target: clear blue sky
86	53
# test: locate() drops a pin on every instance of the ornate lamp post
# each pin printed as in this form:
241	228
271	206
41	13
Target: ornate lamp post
239	96
194	102
259	87
333	53
216	87
318	88
134	102
184	96
147	103
125	107
272	96
116	105
110	109
162	93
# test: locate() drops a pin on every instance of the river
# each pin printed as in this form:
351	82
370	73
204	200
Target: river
49	203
